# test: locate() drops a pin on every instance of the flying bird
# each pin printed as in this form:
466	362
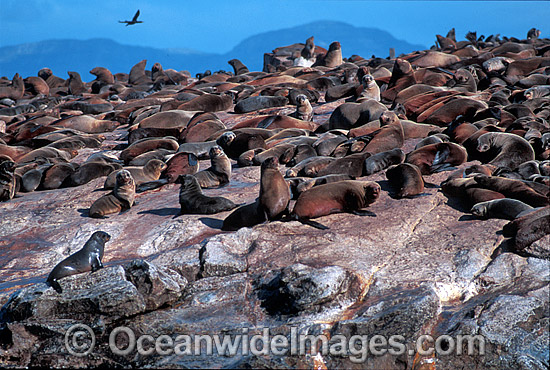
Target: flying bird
133	21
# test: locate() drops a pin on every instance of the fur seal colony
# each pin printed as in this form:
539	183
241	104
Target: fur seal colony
483	104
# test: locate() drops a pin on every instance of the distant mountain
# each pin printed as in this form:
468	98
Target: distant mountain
83	55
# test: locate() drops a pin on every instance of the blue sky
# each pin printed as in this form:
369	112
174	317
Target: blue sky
219	25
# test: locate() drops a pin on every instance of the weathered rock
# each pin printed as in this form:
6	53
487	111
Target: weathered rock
158	286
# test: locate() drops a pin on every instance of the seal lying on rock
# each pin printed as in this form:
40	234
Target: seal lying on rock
342	196
193	201
86	259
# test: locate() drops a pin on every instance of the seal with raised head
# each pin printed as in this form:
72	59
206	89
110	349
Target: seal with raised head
343	196
512	150
274	190
370	88
333	57
405	180
120	199
150	172
7	180
86	259
304	111
238	67
505	208
193	201
218	173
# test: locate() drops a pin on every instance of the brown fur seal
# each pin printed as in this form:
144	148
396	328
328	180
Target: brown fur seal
260	102
370	88
76	86
405	180
529	228
333	57
274	191
516	189
511	150
208	103
137	74
432	139
181	164
193	201
437	157
53	81
390	135
143	159
238	67
301	152
87	124
349	115
46	152
145	145
304	111
58	175
202	150
32	179
86	259
36	86
383	160
218	173
352	165
150	172
15	90
507	208
92	170
300	184
7	180
120	199
310	166
103	74
283	152
342	196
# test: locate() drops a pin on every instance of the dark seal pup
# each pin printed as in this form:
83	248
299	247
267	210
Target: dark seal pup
7	180
406	180
86	259
193	201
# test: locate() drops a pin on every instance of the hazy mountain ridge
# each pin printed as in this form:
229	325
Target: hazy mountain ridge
83	55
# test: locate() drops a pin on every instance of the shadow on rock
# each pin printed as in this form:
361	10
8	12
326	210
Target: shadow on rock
214	223
169	211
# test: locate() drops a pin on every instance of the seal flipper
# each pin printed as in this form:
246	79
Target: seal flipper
305	221
96	264
55	285
312	223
